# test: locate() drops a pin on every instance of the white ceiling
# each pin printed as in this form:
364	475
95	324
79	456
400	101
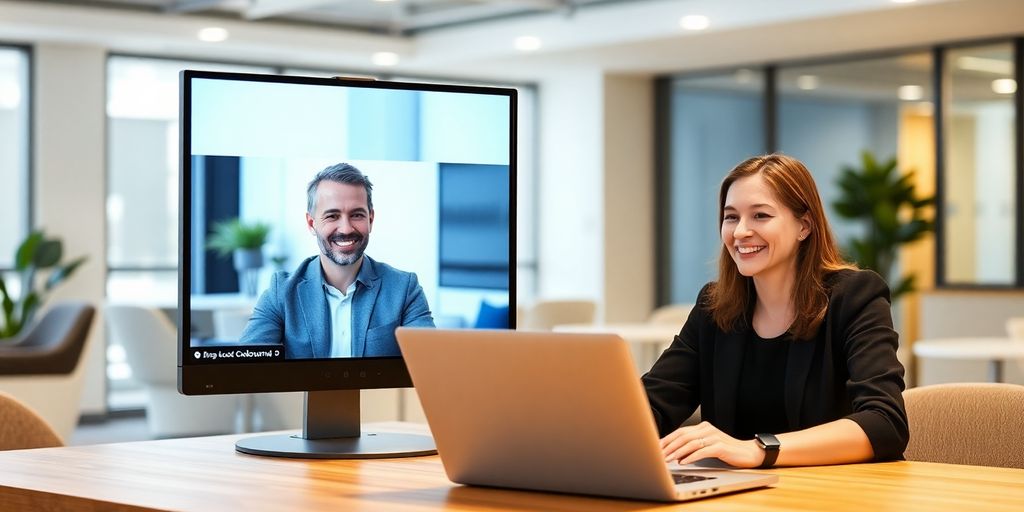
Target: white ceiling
631	36
397	17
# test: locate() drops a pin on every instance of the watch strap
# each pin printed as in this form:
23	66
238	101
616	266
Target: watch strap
771	445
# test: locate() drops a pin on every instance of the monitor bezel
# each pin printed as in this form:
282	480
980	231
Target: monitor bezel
302	374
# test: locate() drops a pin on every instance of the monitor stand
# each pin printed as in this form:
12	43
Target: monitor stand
331	430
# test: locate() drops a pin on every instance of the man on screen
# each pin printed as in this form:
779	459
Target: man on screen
341	303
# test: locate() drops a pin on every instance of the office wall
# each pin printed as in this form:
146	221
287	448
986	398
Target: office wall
70	178
571	183
596	191
628	198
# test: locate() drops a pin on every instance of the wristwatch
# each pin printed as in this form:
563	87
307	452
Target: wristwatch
771	445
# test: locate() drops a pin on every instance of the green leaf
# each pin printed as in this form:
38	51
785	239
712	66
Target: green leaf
230	235
906	285
28	309
26	252
34	253
8	309
885	200
869	161
923	202
63	272
48	253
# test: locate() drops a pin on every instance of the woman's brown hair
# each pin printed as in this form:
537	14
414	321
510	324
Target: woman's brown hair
793	186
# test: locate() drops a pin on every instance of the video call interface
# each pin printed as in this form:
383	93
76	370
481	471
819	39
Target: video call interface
431	251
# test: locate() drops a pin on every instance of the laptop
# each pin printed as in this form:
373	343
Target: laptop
549	412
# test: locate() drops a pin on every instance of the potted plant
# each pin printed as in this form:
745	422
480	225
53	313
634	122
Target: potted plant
36	253
244	242
885	201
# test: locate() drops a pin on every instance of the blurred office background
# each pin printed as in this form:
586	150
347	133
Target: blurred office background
630	113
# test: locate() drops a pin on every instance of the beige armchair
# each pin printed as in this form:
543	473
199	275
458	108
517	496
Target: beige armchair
967	423
22	428
674	314
544	315
44	369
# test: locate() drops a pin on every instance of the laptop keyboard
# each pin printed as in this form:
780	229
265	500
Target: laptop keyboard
684	478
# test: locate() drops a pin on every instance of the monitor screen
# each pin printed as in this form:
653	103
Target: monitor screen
318	215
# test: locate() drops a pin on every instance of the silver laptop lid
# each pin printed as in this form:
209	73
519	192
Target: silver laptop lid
535	410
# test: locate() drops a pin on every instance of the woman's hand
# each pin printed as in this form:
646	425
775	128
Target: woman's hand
704	441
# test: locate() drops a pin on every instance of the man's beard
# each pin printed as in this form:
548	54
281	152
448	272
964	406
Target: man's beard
327	248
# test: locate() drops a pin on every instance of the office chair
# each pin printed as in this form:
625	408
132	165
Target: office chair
151	346
21	427
978	424
44	367
674	314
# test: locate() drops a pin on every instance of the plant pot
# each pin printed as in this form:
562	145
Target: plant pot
247	263
248	259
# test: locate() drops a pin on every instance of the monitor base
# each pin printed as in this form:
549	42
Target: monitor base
369	445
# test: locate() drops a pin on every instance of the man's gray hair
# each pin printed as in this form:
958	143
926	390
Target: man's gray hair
338	173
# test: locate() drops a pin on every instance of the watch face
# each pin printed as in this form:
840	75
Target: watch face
768	441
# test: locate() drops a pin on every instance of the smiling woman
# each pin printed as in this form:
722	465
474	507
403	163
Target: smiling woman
791	353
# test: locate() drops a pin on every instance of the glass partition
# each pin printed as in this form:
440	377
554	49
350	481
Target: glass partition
716	121
979	183
829	114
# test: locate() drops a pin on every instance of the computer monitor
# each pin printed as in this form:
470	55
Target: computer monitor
318	215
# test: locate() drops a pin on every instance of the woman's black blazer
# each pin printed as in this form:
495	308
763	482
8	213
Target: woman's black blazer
849	370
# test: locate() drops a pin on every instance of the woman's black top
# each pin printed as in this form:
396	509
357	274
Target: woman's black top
760	407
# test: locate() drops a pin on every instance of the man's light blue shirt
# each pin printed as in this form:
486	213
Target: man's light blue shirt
340	305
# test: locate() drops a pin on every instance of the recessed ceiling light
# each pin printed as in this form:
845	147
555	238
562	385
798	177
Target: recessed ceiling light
1004	86
910	92
694	22
212	34
807	82
385	58
528	43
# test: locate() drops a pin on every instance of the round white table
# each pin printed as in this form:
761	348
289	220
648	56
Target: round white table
992	349
649	337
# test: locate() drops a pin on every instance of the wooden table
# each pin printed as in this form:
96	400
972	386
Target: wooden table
991	349
649	337
207	474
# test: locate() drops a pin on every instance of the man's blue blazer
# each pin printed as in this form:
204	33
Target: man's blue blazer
294	311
